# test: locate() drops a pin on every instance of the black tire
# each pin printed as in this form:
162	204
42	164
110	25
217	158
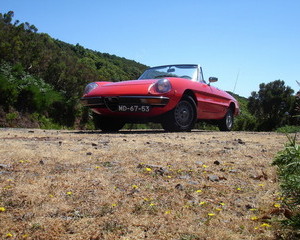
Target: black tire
182	118
108	124
226	124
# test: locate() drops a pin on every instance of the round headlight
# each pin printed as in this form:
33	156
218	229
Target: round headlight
163	86
90	87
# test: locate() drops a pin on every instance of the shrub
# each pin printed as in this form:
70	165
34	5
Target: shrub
288	162
44	122
8	92
28	94
288	129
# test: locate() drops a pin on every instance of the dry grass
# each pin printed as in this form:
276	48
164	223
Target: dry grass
137	185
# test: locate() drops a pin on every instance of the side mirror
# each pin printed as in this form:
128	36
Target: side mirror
213	79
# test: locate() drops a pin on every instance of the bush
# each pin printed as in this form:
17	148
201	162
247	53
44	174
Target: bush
10	118
28	94
288	162
288	129
245	122
8	93
44	122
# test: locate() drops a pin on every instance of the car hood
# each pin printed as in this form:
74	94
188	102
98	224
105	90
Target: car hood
130	83
131	87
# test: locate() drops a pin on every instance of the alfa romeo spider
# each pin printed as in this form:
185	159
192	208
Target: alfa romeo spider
177	96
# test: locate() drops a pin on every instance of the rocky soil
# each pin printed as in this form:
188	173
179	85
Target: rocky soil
138	185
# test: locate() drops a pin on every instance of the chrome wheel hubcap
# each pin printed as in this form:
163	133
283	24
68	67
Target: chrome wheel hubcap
183	114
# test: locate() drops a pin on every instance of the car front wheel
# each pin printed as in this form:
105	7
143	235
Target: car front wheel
226	124
182	118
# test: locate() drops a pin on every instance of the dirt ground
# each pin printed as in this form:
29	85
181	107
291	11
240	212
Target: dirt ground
138	185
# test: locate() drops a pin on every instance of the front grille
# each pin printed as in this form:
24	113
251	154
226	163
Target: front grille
112	103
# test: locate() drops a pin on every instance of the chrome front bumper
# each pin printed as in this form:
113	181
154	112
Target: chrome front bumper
113	102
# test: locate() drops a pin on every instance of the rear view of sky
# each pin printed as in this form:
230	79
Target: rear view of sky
243	43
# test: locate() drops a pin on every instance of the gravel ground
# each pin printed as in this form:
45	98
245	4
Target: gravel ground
138	184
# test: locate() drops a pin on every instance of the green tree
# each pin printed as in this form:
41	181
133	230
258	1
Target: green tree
7	17
271	105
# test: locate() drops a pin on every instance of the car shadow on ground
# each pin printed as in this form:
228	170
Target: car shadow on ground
134	131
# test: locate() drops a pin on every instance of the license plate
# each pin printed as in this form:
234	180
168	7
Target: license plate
134	108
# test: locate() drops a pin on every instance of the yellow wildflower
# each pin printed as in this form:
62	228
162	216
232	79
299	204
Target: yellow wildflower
218	209
254	218
222	204
277	205
97	167
253	209
148	169
211	214
135	186
2	209
9	235
198	191
69	193
261	184
202	203
152	204
114	205
265	225
204	166
239	189
168	212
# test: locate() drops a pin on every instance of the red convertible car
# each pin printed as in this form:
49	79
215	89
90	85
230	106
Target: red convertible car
176	96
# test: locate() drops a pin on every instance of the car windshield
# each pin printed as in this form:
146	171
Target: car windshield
180	71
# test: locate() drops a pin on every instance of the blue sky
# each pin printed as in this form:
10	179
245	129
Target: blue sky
248	41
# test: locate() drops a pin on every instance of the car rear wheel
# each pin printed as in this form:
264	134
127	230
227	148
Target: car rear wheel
108	124
182	118
226	124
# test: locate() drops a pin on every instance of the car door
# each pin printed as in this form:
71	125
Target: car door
212	102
